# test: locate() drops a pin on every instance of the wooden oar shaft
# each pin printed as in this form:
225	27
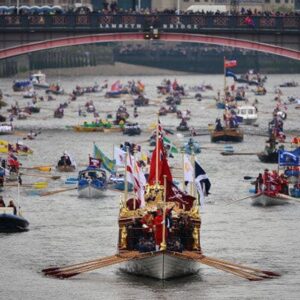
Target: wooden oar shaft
241	266
58	191
69	272
257	273
238	153
54	177
230	270
95	261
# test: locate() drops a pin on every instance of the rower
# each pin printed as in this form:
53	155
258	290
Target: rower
2	203
11	204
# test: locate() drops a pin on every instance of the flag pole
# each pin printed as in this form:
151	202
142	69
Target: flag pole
193	164
125	179
163	245
183	181
134	195
156	158
224	77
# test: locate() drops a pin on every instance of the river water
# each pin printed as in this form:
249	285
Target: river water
65	229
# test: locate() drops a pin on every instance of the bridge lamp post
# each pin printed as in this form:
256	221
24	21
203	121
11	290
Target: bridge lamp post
178	7
18	5
139	5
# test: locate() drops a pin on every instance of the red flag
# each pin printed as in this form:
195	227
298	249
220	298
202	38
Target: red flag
94	162
174	194
163	166
230	63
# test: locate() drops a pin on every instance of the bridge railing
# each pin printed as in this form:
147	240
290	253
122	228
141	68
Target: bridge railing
132	22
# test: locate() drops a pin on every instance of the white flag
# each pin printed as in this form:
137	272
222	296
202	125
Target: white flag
137	178
188	169
119	156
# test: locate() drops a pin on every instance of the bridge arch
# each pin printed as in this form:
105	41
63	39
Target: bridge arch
169	37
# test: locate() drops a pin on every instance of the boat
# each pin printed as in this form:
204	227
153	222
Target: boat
39	80
260	91
84	128
132	129
6	129
119	184
271	158
55	89
174	250
9	222
162	111
227	135
66	168
141	101
191	147
21	85
269	199
247	114
185	114
289	84
92	182
59	113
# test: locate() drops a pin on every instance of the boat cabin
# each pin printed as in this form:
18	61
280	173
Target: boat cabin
39	78
140	228
247	113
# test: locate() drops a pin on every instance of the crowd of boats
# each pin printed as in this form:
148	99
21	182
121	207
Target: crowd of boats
159	220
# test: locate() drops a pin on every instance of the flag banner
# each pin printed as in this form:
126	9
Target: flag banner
161	164
202	182
107	163
137	178
94	162
119	156
174	194
289	158
188	169
170	146
230	63
230	74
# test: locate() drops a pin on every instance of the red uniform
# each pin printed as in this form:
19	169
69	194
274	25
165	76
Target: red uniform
159	229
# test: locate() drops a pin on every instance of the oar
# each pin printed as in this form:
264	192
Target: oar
39	168
287	197
239	153
58	191
37	185
54	177
242	199
269	273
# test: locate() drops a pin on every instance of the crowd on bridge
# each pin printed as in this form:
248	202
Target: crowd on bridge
113	9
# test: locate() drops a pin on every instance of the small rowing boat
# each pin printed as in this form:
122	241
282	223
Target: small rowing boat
227	135
92	182
66	168
271	158
9	222
269	199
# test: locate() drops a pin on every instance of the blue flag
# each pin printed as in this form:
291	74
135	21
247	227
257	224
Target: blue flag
230	74
289	158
